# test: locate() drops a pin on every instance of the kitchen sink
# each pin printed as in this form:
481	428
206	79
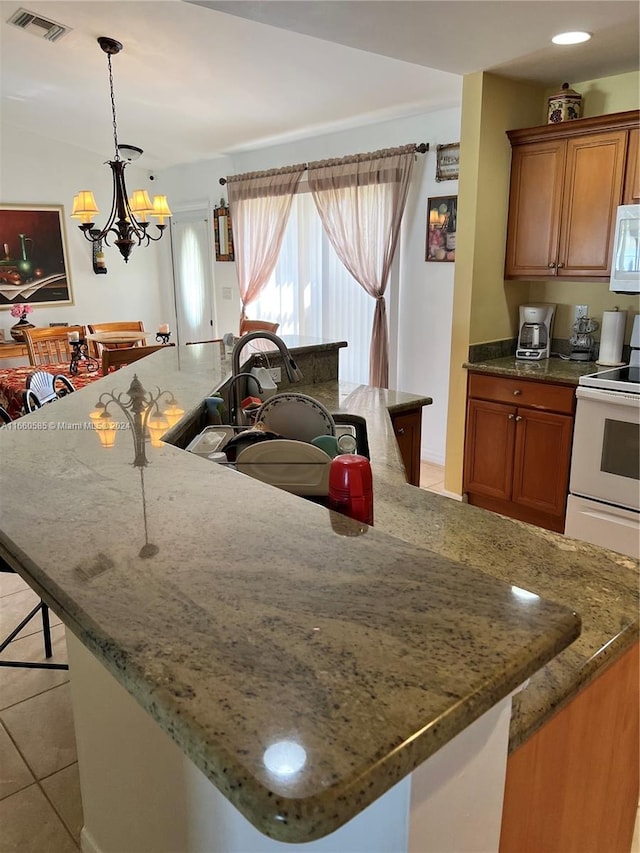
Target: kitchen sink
209	415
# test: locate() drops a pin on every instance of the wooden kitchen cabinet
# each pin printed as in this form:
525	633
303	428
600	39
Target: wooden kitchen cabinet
408	428
573	786
518	448
566	183
632	177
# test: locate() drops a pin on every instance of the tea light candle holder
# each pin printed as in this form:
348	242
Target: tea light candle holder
163	336
80	354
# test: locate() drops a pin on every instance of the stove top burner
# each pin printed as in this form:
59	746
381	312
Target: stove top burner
625	378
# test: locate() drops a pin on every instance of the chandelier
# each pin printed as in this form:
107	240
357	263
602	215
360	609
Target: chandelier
129	217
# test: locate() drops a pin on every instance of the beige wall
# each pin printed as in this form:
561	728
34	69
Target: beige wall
485	306
608	95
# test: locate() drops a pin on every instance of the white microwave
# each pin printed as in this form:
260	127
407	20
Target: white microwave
625	264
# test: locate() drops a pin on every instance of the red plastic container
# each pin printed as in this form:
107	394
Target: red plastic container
351	487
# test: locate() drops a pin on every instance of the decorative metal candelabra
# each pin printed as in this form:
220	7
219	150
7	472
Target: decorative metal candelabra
142	411
163	337
145	417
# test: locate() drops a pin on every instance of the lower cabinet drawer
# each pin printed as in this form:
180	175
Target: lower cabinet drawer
522	392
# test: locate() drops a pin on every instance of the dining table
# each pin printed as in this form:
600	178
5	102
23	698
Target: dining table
13	383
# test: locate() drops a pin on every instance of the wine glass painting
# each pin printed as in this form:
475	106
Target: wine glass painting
442	221
33	257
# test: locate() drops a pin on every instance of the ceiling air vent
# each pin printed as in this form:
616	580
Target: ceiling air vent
38	25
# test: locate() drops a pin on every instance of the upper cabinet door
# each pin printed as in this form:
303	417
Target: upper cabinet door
537	172
592	192
632	179
567	180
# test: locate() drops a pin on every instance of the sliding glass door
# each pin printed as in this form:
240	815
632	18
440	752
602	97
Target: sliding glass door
311	293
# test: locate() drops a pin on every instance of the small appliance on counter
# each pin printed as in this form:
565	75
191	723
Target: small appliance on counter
534	335
581	340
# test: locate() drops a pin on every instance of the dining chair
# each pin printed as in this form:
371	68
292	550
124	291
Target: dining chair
43	387
41	608
113	359
257	325
50	345
96	348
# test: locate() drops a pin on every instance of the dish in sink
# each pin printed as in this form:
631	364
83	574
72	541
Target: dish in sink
296	416
294	466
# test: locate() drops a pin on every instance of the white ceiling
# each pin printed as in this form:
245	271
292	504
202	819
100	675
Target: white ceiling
194	82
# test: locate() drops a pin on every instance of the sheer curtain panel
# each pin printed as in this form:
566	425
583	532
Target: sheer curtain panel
260	203
360	201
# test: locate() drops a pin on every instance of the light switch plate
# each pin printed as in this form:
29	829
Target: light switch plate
276	374
226	293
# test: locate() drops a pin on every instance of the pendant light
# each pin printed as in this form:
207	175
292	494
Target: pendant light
129	217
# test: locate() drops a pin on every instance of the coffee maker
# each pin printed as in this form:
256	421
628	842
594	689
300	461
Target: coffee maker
534	335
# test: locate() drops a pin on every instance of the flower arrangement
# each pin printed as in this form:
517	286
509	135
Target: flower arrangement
21	310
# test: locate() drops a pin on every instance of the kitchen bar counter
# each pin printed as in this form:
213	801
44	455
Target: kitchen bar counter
600	585
554	369
237	614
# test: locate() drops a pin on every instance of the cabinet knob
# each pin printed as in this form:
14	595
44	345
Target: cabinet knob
518	417
510	417
560	266
400	431
552	266
517	392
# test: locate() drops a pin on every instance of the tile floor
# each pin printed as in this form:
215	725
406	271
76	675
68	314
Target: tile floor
431	477
40	806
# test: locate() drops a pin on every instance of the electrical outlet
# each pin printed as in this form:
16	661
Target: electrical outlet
276	374
581	311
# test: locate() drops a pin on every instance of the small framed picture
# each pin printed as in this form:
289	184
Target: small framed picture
442	219
448	162
222	233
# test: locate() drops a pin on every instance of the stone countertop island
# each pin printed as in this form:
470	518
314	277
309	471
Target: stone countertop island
239	616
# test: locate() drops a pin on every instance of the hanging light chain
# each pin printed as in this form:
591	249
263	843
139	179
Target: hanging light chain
113	108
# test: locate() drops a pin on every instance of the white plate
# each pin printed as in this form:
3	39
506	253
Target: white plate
294	466
296	416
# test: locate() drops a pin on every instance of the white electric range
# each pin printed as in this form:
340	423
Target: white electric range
604	486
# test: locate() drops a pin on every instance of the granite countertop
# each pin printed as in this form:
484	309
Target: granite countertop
215	599
554	369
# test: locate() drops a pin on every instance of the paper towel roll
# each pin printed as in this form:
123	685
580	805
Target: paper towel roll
612	337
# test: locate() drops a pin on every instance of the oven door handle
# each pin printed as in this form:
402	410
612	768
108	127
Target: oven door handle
605	396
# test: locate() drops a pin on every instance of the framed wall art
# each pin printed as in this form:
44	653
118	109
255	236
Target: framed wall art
442	219
222	232
448	162
33	256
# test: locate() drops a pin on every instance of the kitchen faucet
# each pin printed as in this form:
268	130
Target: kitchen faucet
291	368
236	411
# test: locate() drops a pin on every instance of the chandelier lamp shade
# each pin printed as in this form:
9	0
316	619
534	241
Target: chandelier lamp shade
130	217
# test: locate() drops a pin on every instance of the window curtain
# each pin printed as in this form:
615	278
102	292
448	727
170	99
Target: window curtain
260	203
360	201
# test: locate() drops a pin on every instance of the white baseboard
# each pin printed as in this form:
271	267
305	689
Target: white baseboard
428	455
452	495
